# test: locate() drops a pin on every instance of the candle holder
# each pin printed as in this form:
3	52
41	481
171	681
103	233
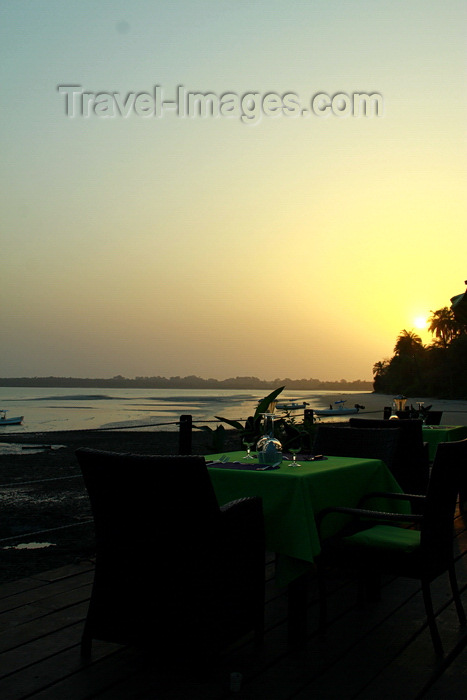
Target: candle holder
399	402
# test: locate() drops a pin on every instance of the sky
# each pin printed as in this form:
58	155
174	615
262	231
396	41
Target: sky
286	235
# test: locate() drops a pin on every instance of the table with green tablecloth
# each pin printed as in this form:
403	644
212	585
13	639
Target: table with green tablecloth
433	434
293	496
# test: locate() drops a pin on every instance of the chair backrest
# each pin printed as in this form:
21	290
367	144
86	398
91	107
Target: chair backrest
357	442
128	492
447	476
412	426
433	417
412	456
156	523
174	571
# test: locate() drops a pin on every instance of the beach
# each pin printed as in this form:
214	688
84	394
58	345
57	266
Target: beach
454	411
46	519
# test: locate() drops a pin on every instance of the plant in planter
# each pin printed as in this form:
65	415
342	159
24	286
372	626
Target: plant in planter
294	434
217	437
253	428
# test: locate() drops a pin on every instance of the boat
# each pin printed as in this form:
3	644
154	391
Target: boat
340	410
291	406
10	421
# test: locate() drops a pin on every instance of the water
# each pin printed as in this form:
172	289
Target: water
31	545
48	409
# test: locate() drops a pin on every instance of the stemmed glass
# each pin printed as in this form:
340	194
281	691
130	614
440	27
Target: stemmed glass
268	434
421	412
268	443
294	451
248	446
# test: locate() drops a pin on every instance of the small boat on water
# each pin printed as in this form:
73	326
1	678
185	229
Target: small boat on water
340	410
10	421
291	406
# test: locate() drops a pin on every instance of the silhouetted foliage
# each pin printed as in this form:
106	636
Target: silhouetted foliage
189	382
438	370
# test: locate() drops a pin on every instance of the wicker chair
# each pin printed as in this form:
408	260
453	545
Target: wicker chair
375	543
173	569
412	458
360	442
433	417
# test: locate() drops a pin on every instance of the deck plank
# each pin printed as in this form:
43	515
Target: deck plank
49	671
43	626
382	650
452	683
34	610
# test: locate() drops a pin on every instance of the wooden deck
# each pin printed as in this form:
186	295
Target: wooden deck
381	651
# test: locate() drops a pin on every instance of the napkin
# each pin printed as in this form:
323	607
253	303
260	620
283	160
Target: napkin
241	465
304	458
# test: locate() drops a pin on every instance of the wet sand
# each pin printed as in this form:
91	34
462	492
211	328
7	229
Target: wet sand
44	503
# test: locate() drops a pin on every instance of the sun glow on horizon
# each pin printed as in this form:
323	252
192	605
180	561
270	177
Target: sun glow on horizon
420	322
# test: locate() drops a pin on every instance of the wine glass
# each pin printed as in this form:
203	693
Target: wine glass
421	411
294	451
268	446
268	434
248	446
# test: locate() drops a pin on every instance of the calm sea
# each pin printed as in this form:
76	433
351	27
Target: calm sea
46	409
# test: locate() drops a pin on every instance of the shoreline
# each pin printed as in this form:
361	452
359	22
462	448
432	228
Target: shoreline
454	413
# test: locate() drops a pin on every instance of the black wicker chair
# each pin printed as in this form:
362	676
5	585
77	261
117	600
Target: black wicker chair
433	417
174	571
375	543
344	441
412	456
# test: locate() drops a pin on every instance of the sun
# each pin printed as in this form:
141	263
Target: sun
420	322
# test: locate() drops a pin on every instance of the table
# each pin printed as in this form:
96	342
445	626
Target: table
433	434
292	498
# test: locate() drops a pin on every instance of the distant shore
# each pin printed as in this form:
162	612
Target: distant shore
190	382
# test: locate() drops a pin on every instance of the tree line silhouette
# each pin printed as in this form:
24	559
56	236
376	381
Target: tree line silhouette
189	382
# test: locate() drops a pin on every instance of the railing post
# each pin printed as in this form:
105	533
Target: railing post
184	435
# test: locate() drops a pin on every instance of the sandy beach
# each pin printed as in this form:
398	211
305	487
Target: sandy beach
46	519
454	411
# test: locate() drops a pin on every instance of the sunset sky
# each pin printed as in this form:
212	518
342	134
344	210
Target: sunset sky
277	245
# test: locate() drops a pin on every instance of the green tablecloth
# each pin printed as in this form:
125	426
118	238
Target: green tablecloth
433	434
293	496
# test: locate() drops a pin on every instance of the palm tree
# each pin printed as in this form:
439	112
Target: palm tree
408	344
407	362
444	326
380	367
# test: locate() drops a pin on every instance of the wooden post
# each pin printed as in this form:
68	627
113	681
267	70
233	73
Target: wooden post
387	412
184	435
